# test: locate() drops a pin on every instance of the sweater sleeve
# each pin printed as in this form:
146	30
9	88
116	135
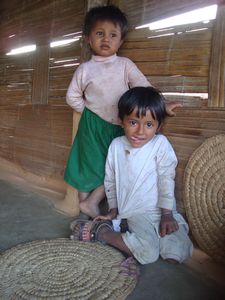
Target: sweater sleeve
166	166
110	180
75	93
135	76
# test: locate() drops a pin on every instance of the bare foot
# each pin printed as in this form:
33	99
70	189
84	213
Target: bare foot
129	267
89	208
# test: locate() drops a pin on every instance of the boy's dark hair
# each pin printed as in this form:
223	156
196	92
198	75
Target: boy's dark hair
105	13
144	99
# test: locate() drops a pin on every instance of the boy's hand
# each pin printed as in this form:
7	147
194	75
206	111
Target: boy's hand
170	106
167	224
106	217
110	216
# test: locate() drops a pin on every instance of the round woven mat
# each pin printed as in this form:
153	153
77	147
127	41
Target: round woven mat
204	193
63	269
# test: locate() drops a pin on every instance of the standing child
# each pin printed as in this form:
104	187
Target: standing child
94	91
139	185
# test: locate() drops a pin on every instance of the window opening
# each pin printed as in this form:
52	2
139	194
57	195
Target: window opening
202	14
24	49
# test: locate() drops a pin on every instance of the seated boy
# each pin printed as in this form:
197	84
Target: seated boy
139	185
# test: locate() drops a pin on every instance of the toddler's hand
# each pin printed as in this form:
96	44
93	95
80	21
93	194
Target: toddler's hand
171	106
167	225
106	217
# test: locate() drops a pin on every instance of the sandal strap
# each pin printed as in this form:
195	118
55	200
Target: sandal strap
74	223
80	227
97	225
77	228
81	230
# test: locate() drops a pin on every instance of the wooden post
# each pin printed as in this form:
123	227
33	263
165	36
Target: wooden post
70	204
40	75
217	64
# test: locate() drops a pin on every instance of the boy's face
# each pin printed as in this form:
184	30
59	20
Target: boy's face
105	38
139	131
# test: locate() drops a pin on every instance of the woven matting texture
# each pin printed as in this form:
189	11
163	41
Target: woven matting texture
204	193
63	269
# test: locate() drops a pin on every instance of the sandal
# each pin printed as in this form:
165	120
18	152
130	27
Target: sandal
87	231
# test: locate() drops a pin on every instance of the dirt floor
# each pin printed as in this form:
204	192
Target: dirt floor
27	216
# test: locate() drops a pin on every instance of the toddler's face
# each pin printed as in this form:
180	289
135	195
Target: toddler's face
139	131
105	38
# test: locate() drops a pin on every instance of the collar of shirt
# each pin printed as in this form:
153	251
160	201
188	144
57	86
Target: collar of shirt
104	59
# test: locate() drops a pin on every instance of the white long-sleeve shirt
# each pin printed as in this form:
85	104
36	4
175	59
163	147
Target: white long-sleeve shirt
99	83
138	180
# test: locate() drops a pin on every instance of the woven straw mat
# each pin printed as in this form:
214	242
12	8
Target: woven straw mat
204	193
63	269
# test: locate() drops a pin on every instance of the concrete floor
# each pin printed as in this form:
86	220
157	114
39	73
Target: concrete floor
26	216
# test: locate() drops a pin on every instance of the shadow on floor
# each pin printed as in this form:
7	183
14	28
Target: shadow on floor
26	216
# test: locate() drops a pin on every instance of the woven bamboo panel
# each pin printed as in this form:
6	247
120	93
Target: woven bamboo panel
16	80
62	64
37	138
217	66
37	21
177	63
185	84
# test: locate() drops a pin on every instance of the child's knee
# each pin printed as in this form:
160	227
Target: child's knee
151	257
178	255
146	257
176	246
144	251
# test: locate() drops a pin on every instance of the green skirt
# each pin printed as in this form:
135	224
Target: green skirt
85	168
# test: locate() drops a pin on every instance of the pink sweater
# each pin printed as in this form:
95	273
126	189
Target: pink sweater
100	82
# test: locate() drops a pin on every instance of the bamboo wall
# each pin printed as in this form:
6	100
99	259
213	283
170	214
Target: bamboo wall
175	60
35	122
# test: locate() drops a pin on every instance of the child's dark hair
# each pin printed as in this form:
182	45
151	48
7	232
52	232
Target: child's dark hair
144	99
105	13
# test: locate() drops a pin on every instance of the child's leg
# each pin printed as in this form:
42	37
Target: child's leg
103	231
82	196
141	241
129	265
114	239
89	201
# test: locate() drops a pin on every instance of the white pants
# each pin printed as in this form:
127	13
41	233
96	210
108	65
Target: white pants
146	245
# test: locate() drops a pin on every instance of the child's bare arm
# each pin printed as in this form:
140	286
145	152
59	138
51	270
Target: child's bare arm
168	224
75	92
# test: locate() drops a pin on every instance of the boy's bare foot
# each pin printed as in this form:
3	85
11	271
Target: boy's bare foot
89	208
129	267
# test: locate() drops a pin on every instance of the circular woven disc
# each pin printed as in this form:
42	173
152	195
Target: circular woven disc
63	269
204	193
